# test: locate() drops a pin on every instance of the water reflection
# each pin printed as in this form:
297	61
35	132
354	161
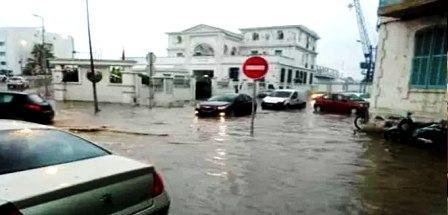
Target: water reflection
219	159
403	180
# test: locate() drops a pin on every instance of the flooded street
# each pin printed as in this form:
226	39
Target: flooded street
298	162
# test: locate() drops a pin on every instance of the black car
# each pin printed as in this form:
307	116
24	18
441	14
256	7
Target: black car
25	106
226	105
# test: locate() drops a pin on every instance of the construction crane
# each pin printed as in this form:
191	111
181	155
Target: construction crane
368	65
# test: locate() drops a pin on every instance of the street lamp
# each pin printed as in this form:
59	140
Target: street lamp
44	59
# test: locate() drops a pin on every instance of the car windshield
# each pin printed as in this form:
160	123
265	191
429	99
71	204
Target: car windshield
15	79
32	148
281	94
224	98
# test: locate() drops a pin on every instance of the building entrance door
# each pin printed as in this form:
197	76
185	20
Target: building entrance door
203	84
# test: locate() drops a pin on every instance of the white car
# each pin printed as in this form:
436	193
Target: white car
44	170
17	82
287	98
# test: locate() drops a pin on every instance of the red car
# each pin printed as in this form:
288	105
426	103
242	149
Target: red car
340	103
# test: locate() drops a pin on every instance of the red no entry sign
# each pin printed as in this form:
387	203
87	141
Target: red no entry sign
255	67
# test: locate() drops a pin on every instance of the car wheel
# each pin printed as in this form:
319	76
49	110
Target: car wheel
317	108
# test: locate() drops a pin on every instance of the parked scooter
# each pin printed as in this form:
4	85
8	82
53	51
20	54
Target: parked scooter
362	118
407	130
432	134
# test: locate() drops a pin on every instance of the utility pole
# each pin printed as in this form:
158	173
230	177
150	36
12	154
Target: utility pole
43	64
92	67
150	58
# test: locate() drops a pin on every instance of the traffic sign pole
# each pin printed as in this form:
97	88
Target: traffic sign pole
254	101
255	68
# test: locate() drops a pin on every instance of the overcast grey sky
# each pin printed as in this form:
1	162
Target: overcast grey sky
139	26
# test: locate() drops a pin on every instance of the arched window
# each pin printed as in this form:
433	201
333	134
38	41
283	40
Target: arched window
234	51
255	36
225	49
280	35
429	61
203	49
178	39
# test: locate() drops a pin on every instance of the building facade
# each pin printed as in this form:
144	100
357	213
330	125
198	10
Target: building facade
16	44
213	57
123	81
411	65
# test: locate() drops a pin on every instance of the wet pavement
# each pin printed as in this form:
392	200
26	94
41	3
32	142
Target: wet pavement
297	163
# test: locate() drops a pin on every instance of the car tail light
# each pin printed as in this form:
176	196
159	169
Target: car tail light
157	185
33	107
9	209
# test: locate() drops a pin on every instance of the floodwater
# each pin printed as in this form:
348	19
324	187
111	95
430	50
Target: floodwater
297	163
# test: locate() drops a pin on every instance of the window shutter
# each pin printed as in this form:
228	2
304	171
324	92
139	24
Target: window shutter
429	62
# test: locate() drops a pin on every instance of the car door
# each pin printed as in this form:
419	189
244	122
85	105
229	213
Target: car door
294	99
342	104
238	105
330	103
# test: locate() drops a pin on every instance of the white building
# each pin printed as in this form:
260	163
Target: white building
213	56
16	44
69	78
411	66
123	81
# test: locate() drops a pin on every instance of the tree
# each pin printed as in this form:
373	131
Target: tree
34	64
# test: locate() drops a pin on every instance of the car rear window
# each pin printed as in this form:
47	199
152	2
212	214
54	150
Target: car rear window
32	148
224	98
281	94
36	98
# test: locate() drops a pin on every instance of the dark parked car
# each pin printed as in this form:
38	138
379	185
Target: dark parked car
226	105
340	103
25	106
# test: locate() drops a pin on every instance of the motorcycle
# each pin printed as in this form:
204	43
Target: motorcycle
407	130
361	119
432	134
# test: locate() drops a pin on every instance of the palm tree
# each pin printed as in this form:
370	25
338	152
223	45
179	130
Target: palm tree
34	64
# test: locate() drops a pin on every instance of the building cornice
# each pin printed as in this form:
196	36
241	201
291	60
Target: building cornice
279	46
101	62
301	27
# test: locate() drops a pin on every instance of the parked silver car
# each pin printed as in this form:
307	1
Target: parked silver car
17	82
44	170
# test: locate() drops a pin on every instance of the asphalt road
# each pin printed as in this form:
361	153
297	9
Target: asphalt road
298	162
